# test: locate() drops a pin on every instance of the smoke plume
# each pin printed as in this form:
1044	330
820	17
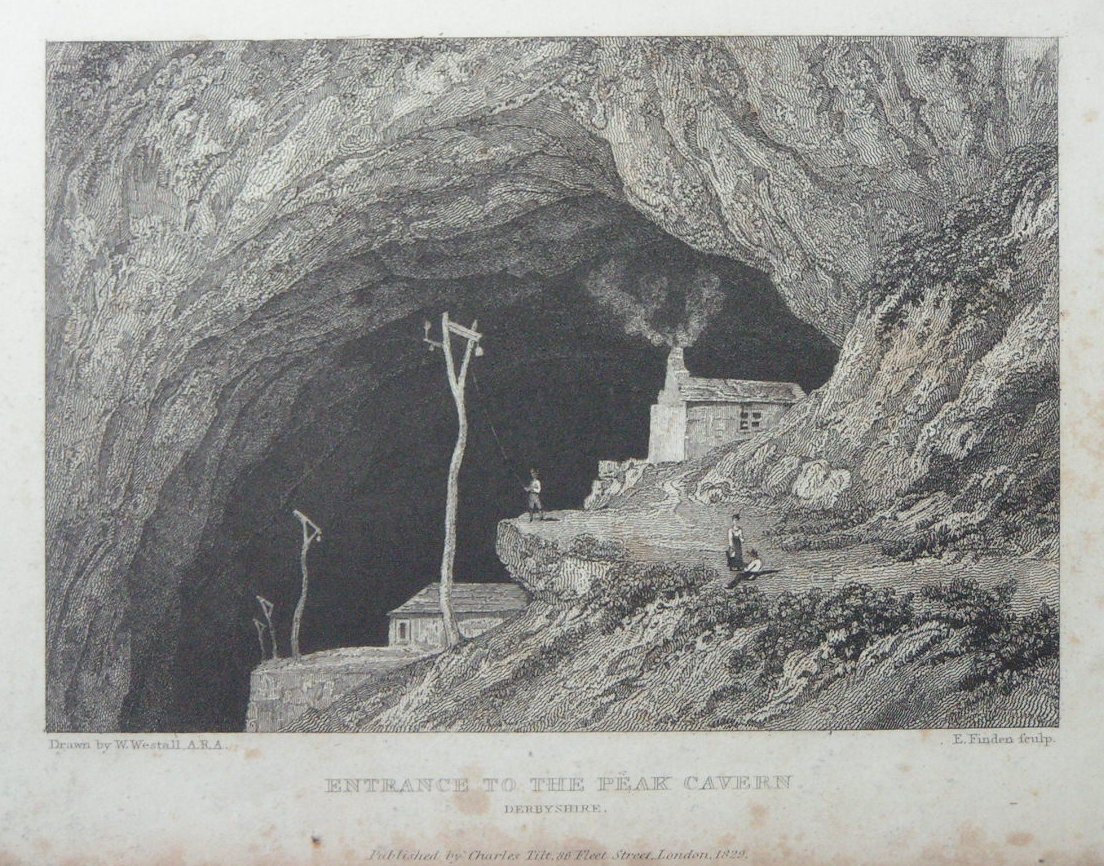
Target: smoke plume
665	311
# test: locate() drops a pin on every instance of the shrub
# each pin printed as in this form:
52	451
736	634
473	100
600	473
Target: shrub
802	529
1005	645
739	661
727	692
963	256
634	586
963	604
836	541
549	655
933	541
856	614
792	626
863	613
800	521
715	607
1022	644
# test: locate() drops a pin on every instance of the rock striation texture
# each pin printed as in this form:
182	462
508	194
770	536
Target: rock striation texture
939	426
225	219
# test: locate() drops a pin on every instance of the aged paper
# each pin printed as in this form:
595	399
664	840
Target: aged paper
457	436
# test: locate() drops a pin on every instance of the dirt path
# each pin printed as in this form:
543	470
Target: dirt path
693	533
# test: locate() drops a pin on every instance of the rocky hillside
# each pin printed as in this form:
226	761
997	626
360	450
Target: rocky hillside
228	223
658	647
939	427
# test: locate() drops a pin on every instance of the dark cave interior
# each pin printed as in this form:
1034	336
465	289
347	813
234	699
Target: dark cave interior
563	383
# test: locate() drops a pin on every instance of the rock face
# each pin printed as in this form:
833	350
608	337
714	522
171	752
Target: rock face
807	157
548	570
225	219
614	477
939	426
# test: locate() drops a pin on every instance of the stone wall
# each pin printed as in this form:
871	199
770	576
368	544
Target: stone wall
711	425
281	690
614	477
667	433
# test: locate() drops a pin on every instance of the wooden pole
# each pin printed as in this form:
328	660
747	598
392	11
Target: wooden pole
457	382
257	624
266	606
310	533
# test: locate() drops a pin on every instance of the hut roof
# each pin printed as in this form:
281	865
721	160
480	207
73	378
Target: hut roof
467	598
699	390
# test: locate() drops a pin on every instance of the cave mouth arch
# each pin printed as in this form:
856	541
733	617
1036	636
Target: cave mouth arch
562	385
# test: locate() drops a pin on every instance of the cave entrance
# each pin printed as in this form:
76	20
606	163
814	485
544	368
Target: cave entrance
566	381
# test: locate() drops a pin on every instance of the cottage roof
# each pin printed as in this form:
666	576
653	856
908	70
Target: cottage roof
698	390
467	598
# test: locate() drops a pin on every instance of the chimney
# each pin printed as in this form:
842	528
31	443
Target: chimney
676	375
676	365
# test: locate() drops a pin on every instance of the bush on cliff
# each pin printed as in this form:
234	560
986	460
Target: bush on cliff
1020	645
1003	644
975	242
931	541
633	586
977	622
718	609
964	605
853	616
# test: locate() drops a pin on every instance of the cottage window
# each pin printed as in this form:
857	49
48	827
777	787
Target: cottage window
757	415
403	631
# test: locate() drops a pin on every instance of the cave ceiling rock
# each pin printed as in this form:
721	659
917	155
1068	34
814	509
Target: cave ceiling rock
804	157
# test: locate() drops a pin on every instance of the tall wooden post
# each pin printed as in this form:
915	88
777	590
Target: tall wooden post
267	607
311	533
457	381
259	626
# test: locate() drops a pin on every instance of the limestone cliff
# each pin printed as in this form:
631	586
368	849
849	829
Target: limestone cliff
939	427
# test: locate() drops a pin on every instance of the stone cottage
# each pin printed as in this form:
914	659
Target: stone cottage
693	415
417	623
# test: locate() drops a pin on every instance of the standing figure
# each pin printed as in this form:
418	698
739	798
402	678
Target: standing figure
735	545
533	488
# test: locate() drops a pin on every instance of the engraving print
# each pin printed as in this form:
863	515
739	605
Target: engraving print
582	384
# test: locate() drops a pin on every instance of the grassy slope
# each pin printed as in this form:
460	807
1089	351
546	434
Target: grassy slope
698	657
